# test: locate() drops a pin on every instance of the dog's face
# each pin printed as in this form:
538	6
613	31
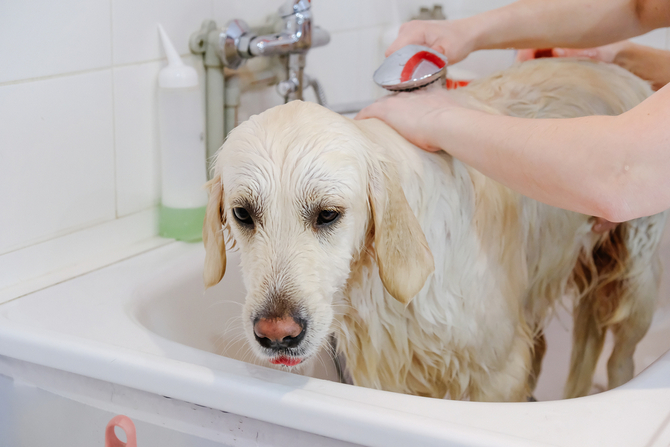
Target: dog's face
294	186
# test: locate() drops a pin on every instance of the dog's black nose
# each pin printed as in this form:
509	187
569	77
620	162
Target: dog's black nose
279	333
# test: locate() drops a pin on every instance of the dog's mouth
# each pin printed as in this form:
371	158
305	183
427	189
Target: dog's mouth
285	360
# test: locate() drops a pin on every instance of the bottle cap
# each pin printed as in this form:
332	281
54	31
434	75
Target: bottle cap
176	74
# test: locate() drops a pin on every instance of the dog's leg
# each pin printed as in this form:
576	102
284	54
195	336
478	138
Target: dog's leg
600	276
640	294
539	349
588	337
632	318
620	366
508	384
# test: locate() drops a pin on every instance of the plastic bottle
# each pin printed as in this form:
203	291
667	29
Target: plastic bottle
182	149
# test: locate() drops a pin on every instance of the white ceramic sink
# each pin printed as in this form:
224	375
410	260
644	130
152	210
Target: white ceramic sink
146	325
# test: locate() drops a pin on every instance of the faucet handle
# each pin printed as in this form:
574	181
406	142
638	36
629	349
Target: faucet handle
294	6
230	41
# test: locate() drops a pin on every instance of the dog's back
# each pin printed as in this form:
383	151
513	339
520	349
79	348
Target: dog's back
615	274
534	253
558	88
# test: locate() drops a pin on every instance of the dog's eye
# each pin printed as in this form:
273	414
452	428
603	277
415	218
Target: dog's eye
327	217
243	216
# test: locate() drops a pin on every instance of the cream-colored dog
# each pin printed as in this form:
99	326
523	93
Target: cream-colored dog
436	280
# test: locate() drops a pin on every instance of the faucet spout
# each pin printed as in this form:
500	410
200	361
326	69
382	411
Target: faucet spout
237	42
296	37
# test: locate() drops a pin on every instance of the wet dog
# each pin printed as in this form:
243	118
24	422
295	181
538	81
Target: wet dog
436	280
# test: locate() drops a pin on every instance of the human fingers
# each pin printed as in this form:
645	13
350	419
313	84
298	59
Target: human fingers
605	53
374	110
393	104
414	115
601	225
525	55
451	38
409	33
591	53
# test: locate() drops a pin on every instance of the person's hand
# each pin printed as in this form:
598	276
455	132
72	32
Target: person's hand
605	53
649	63
415	116
448	37
601	225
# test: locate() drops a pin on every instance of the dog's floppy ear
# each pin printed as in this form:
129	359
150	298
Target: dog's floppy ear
403	256
212	234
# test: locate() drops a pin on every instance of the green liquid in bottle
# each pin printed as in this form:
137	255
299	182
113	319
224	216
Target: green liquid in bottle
183	224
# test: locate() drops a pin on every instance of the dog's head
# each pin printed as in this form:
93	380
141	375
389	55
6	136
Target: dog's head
301	189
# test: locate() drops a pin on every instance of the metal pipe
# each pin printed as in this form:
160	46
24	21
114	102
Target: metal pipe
319	92
215	104
205	42
232	104
296	68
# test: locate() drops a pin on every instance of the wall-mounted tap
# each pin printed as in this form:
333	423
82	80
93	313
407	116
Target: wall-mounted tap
237	43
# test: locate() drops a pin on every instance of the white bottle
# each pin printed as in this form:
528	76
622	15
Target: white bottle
182	148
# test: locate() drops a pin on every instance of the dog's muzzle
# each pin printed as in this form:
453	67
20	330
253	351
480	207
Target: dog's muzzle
281	336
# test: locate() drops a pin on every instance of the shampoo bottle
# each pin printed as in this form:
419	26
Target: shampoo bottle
182	149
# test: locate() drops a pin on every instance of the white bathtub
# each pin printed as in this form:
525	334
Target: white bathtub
141	338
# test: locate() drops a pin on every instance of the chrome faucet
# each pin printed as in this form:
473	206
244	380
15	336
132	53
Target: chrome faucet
237	43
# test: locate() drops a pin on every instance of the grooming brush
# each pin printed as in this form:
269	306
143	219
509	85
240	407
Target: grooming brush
410	68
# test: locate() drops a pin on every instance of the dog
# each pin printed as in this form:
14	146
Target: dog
436	280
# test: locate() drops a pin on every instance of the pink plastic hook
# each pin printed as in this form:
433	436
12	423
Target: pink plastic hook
127	425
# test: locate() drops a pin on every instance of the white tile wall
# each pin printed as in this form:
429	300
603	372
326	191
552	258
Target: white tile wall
340	67
43	38
657	39
346	15
255	12
78	127
135	32
57	168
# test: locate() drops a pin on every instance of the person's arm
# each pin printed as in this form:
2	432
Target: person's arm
611	167
650	64
538	24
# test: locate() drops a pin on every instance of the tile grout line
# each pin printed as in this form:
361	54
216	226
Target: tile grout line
89	70
55	76
114	162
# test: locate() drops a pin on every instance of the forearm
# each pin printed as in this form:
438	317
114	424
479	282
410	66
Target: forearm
611	167
563	23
